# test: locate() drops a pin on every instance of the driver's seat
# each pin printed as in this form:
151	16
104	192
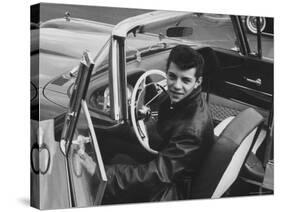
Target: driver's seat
227	156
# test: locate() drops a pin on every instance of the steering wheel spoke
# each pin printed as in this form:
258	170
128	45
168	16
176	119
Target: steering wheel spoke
162	84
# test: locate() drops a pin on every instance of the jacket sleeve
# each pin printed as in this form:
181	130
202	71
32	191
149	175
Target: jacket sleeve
180	155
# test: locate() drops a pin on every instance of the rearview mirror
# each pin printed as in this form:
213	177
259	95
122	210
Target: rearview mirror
179	31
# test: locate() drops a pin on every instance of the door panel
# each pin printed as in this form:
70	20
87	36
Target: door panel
246	79
241	82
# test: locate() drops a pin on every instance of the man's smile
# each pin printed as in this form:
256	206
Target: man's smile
176	93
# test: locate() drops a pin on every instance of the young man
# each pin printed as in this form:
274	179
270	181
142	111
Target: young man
186	127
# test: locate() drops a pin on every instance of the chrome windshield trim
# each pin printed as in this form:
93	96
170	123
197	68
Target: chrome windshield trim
147	21
115	103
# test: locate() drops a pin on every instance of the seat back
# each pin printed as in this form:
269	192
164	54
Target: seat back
227	156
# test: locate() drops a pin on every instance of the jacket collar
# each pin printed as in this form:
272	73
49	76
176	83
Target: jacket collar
195	94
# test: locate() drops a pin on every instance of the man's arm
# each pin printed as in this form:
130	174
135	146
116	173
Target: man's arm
182	154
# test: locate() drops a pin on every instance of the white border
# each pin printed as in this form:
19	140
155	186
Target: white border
14	88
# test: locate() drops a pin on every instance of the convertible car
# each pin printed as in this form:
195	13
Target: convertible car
104	83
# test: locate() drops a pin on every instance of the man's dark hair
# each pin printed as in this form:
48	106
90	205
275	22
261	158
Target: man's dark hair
184	58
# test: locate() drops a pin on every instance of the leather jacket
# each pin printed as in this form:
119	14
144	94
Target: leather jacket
187	131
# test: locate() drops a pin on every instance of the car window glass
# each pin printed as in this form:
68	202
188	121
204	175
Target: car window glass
99	95
85	142
102	61
267	46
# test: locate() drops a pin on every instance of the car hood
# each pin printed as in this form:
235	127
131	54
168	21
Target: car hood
60	50
55	52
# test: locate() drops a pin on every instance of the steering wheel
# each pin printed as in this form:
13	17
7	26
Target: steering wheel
140	110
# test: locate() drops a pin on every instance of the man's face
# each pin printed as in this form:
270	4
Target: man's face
181	82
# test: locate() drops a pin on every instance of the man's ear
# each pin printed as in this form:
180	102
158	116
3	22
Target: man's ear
198	82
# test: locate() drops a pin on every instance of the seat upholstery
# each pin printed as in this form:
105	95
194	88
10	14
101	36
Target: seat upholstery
253	168
227	156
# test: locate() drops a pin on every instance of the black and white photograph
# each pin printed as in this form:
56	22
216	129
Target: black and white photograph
140	105
131	105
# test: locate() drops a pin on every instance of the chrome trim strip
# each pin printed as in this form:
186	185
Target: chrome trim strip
114	80
249	89
94	140
268	58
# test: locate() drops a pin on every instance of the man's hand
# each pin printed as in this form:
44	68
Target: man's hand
83	158
87	162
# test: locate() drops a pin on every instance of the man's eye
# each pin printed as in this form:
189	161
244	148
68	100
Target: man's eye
171	76
186	81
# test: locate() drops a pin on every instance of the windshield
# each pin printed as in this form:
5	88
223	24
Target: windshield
101	60
214	30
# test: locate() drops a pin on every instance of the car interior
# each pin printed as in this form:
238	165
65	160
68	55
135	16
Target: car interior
220	67
222	103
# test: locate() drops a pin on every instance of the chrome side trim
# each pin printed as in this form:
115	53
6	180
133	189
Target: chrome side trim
250	89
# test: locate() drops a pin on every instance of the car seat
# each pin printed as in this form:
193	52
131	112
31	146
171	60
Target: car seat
227	156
